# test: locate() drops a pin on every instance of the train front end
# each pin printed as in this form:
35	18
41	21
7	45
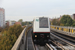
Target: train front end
41	30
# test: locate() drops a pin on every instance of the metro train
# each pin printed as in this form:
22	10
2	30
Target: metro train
41	30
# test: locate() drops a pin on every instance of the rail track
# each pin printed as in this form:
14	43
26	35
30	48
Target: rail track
65	44
29	43
65	38
71	39
31	46
54	44
46	47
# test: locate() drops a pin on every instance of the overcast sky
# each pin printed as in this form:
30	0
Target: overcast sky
28	9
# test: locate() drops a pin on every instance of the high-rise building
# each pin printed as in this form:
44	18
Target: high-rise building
2	17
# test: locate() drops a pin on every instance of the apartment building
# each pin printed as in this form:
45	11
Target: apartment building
2	17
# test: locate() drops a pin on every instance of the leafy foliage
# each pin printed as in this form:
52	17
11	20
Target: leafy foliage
55	22
66	20
8	37
1	29
24	23
20	20
73	24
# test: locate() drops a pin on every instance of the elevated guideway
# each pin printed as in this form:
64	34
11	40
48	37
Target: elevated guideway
68	31
29	42
24	41
63	35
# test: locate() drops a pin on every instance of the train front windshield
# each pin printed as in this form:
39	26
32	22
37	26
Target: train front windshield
43	22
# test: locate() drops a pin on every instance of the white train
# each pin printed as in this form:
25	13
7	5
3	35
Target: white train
41	30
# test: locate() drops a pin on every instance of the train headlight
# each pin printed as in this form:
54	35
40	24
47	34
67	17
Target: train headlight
35	35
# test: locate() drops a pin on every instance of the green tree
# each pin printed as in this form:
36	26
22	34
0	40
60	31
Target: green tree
20	20
55	22
66	20
73	24
23	23
16	29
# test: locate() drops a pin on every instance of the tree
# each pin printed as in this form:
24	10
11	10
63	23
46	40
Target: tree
23	23
8	37
20	20
1	29
73	24
15	29
55	22
66	20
